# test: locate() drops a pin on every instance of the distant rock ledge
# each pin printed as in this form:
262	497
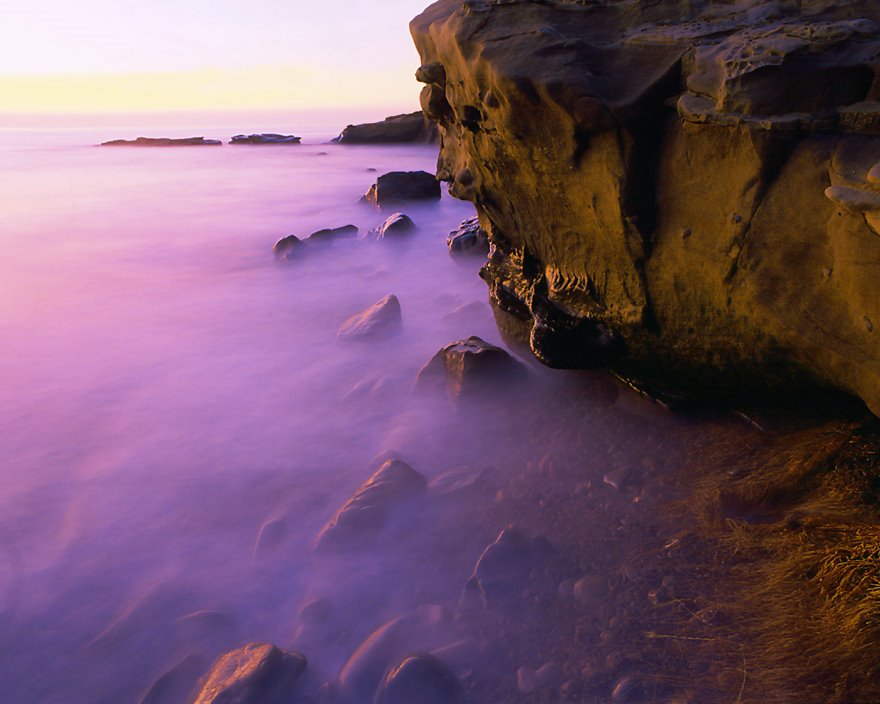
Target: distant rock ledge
265	138
687	190
413	128
163	142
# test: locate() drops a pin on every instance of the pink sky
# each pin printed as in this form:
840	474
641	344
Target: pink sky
165	55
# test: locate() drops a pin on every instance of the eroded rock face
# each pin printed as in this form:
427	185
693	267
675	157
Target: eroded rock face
255	674
687	190
397	129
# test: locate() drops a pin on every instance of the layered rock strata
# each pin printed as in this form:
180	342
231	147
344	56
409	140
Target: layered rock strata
689	190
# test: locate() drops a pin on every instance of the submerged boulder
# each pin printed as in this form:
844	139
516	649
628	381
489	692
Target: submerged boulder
381	318
334	233
255	674
686	191
290	247
504	569
397	129
398	187
285	248
470	366
369	508
395	225
163	142
266	138
468	238
178	684
419	678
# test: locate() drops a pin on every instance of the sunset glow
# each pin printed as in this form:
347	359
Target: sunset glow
99	56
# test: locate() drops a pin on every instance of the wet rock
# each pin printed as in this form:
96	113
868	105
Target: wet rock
265	138
396	225
470	366
333	234
382	318
314	625
363	671
255	674
367	511
286	247
468	238
397	129
163	142
502	572
398	187
179	683
420	678
627	689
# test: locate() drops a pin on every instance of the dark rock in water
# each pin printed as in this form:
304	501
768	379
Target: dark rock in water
335	233
679	184
628	690
178	685
367	511
255	674
422	679
381	318
163	142
399	187
363	671
395	225
468	238
285	247
502	571
266	138
398	129
470	366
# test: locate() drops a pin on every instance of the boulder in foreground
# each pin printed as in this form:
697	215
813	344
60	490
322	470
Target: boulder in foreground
413	128
163	142
685	193
398	187
265	138
368	509
255	674
470	367
381	318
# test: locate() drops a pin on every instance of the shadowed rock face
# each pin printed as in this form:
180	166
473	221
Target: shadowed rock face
398	129
685	190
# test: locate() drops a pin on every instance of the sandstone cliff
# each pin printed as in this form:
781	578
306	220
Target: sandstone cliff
689	190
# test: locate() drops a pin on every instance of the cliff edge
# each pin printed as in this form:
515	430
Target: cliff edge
686	190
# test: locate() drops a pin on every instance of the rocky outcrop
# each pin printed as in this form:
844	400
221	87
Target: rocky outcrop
684	190
398	187
163	142
265	138
398	129
468	238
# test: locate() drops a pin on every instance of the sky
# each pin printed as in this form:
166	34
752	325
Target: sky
117	56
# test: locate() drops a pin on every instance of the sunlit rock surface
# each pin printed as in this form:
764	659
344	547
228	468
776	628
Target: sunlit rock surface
686	190
368	509
381	318
397	129
255	674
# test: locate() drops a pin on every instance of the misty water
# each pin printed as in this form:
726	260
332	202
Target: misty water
169	391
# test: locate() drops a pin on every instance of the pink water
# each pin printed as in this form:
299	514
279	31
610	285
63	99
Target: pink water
166	387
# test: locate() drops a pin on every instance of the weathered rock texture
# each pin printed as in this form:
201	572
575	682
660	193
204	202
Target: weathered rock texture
398	129
687	189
